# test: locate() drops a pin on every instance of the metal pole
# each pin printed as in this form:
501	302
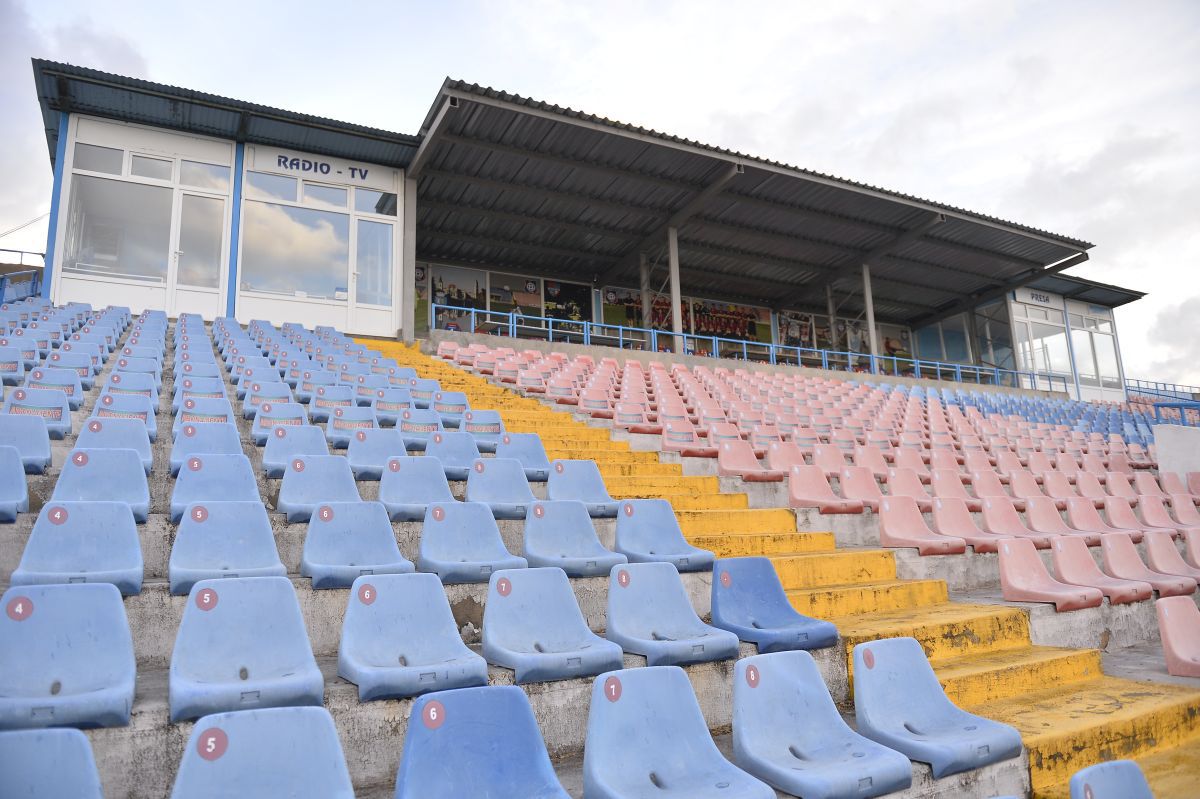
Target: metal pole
407	289
644	284
869	301
676	299
831	310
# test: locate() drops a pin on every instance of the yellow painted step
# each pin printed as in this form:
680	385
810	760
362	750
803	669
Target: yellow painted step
992	676
637	469
777	520
738	545
835	567
1172	773
710	502
945	630
885	596
1074	726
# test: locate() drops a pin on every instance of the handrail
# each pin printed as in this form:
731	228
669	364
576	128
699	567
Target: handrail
1183	408
23	253
510	325
1159	389
27	288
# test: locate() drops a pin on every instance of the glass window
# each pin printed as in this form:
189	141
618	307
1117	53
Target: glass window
1085	362
954	336
98	159
153	168
262	186
1106	360
1075	319
1048	348
316	194
201	225
929	343
118	229
374	202
374	263
295	251
204	176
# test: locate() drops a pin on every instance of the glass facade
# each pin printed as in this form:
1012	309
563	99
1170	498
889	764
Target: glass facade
118	229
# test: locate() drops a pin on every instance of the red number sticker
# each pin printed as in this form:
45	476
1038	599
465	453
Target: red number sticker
325	513
280	431
612	689
361	435
503	586
726	579
19	608
189	404
1088	793
869	658
366	594
122	362
406	414
628	508
539	511
189	430
297	465
20	394
38	374
394	465
507	440
108	400
195	464
752	676
437	438
479	466
434	714
257	387
439	513
468	415
95	426
187	367
206	599
379	393
623	578
321	391
337	412
212	743
558	467
200	514
79	459
57	515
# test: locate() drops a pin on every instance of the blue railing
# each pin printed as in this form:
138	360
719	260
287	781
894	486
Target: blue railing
1183	408
19	285
1153	388
512	325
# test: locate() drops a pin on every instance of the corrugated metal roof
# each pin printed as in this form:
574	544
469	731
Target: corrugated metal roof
1077	288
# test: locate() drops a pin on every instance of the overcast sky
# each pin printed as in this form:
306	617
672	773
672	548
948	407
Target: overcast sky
1078	117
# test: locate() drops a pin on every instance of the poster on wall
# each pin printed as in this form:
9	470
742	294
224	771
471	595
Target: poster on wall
515	294
796	329
895	341
567	301
460	288
823	332
622	307
727	320
421	311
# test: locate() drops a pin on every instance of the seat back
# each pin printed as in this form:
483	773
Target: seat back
393	615
29	436
858	483
903	482
736	455
1162	556
783	455
486	426
102	474
1043	517
648	599
779	701
281	751
1120	514
526	448
1115	779
560	525
498	480
214	478
453	449
747	592
414	481
48	763
531	608
894	685
579	480
649	525
52	406
461	531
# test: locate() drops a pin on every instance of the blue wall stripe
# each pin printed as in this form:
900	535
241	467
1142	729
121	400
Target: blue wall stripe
235	230
60	158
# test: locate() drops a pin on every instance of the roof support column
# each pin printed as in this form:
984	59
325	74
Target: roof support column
676	299
644	285
869	304
408	263
831	309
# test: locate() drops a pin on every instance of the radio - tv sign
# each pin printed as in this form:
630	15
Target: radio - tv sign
330	170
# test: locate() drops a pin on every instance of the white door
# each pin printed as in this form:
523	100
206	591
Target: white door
372	278
198	260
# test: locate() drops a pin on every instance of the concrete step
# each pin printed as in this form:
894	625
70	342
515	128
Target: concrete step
609	469
682	502
883	596
834	567
737	545
1171	772
711	522
975	679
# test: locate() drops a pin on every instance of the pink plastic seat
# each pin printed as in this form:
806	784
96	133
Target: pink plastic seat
1121	516
1179	628
808	488
783	455
1038	463
1024	486
1162	556
1066	464
1057	487
902	525
871	458
907	458
948	485
680	436
1184	510
1191	547
1024	578
1043	516
977	461
736	458
1154	514
1000	518
829	459
1119	463
1089	486
1095	465
1174	484
596	402
1119	485
1008	462
1121	560
632	417
944	459
1145	484
1073	564
905	483
987	484
859	484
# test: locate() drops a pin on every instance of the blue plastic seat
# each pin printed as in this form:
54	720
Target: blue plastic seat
461	543
475	742
65	380
48	764
899	703
132	384
272	752
29	436
310	380
416	426
648	532
423	389
14	365
99	433
528	449
788	733
370	450
346	540
486	426
649	614
532	625
646	737
222	539
261	391
1116	779
204	439
99	475
83	542
410	485
389	403
128	406
456	451
52	406
154	353
399	639
78	362
561	534
326	399
345	422
365	387
276	414
450	405
242	644
312	480
748	600
500	484
66	657
204	410
200	369
581	480
213	478
147	366
287	442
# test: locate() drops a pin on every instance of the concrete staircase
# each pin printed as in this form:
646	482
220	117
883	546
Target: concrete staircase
1069	713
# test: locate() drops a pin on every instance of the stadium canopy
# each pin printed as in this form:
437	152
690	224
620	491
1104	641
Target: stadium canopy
515	184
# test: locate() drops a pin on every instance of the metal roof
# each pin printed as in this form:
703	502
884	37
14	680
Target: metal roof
1084	290
510	183
64	87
